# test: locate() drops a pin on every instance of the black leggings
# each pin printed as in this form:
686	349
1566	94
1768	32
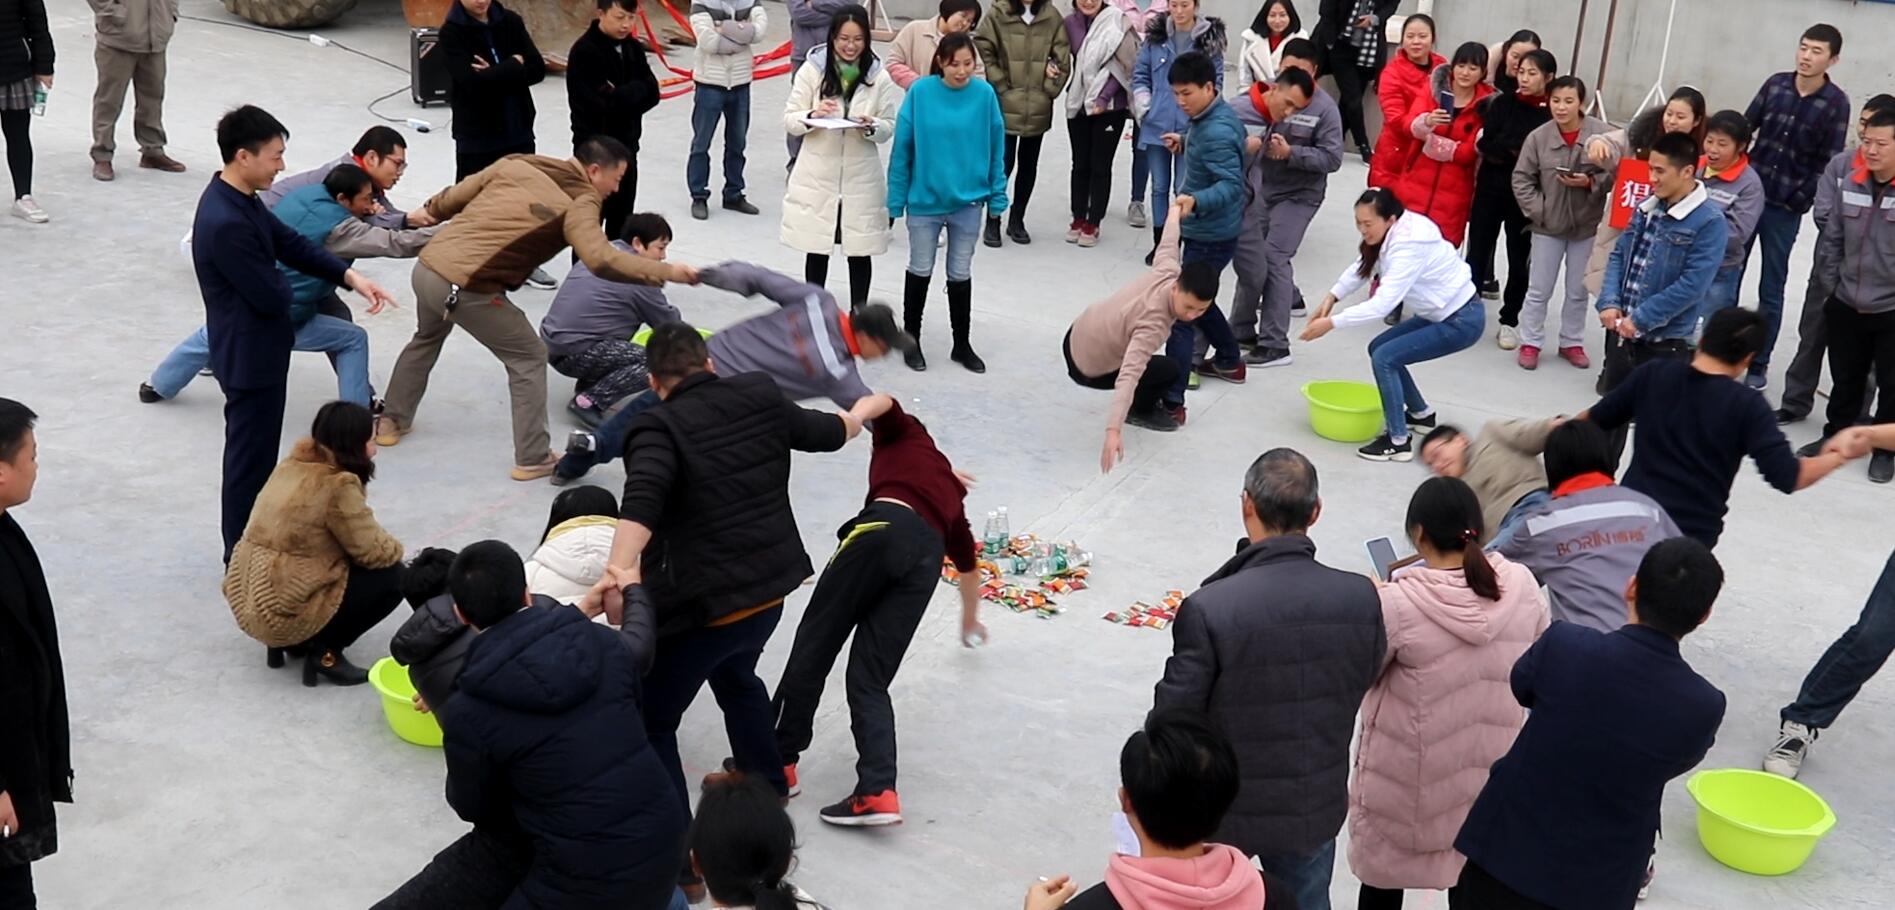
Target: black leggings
1496	214
371	595
1352	80
1026	151
816	272
1095	140
16	126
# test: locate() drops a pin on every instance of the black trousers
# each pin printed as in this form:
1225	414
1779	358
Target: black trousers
816	272
16	882
253	431
1352	80
1095	141
17	127
620	204
1160	373
1479	891
1621	358
1024	151
1497	214
1860	345
370	596
877	585
478	871
724	657
467	164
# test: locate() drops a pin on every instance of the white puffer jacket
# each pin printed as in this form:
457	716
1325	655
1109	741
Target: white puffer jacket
839	176
572	559
721	61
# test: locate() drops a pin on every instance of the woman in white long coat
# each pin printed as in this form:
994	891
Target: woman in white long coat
837	194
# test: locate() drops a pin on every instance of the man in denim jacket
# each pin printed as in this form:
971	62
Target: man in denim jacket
1662	266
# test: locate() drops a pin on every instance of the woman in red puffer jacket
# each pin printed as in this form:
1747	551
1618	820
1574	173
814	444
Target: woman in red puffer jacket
1438	178
1402	84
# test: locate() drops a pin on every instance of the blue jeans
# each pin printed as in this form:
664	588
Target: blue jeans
1851	661
924	240
608	438
1723	295
1306	876
1182	346
1413	341
344	339
678	901
1528	504
1163	167
1776	229
708	104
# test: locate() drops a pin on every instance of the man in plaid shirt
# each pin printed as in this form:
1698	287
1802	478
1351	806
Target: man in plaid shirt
1801	121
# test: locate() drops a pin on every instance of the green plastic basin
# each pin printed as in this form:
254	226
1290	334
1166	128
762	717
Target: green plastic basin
398	692
1757	822
1344	411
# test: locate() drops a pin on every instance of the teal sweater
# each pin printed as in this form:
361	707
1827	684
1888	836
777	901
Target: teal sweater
948	153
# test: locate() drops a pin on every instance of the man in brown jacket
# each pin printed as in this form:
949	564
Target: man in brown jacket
1503	466
131	51
507	219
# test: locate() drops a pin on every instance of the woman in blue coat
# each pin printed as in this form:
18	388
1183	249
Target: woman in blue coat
1154	107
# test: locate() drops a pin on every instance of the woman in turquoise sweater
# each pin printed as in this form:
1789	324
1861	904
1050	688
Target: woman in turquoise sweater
948	164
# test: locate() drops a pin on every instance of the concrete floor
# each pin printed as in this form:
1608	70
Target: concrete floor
206	780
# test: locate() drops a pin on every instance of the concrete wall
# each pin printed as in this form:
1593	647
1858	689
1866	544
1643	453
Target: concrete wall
1725	48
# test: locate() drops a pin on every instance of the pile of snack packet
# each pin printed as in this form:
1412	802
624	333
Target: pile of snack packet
1142	614
1047	570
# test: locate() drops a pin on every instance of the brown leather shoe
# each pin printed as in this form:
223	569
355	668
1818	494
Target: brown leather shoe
162	162
102	171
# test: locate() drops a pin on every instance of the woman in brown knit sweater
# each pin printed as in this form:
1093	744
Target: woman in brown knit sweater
314	570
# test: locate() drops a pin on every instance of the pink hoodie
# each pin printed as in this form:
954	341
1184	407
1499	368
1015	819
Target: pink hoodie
1221	879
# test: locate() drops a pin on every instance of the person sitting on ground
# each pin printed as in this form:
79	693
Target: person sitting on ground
1501	464
383	153
573	552
809	345
432	642
1693	428
1568	815
744	844
1178	776
1119	343
339	214
1589	538
313	569
589	327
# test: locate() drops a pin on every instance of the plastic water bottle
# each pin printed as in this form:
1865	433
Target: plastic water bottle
1006	532
39	100
990	538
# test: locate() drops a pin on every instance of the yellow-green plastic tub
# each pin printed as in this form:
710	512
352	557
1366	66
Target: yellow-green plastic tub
1344	411
398	692
1757	822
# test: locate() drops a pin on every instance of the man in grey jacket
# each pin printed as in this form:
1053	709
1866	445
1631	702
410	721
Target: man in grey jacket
383	153
1287	175
588	330
132	37
1279	649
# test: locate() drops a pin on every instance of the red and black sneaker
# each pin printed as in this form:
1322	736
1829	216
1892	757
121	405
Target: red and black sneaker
883	808
789	774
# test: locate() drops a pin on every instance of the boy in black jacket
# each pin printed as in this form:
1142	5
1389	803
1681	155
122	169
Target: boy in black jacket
609	87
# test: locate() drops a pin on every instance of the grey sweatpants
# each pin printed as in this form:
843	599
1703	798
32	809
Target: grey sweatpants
1549	254
1266	282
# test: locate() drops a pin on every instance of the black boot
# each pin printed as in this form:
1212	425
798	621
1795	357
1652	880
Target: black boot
914	298
1016	231
275	657
991	236
331	665
1157	236
960	313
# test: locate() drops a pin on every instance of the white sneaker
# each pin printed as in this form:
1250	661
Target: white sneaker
1135	214
1785	759
1508	338
1651	872
25	209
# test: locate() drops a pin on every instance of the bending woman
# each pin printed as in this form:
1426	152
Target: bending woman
1411	263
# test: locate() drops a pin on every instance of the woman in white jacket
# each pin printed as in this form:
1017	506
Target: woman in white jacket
837	194
572	553
1260	57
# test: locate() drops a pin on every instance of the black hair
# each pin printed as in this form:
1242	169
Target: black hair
1301	49
674	351
630	6
1881	102
1695	100
488	582
951	45
345	180
1294	77
1447	513
1180	775
743	843
1646	128
1732	124
1826	33
832	77
1422	18
603	151
1193	68
1386	206
1880	118
1733	334
645	227
1261	24
1470	52
248	128
1282	489
16	420
1578	447
1442	433
1523	36
425	576
1542	60
343	429
580	502
1678	580
948	8
382	140
1199	279
1568	81
1678	148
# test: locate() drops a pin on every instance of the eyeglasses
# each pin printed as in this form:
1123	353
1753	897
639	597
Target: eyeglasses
401	164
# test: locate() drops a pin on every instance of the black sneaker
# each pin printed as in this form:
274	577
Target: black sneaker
1813	449
700	209
540	279
741	206
1368	154
590	416
1490	290
1298	307
1385	449
1421	423
1156	419
1882	466
1266	357
1016	232
1787	416
581	442
147	394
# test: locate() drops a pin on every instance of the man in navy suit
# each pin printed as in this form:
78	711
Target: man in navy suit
235	248
1567	818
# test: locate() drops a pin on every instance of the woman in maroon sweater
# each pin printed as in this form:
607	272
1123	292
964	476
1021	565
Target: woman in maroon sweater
877	585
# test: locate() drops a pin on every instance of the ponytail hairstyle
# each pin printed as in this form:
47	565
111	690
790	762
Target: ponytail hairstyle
831	86
343	430
1386	206
1445	513
949	46
743	844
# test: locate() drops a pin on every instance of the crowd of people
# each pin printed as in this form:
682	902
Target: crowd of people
1543	605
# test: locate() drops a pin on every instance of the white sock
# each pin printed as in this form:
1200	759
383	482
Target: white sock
1422	415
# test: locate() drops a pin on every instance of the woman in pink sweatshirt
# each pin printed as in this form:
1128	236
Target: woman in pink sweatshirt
1443	709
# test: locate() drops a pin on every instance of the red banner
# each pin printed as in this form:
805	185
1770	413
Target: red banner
1629	189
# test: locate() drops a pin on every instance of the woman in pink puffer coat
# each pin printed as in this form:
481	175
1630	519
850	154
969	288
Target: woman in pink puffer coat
1443	710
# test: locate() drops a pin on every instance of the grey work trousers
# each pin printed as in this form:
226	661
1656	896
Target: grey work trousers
1266	281
145	73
